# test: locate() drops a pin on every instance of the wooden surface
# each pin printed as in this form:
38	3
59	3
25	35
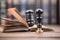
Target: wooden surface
48	35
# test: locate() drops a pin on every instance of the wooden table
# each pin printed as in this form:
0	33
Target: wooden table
49	35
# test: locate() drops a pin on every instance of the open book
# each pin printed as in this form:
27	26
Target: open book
7	23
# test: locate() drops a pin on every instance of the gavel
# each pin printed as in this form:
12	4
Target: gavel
39	20
30	17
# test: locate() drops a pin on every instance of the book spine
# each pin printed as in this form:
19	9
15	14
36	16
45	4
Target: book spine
49	10
59	11
46	13
41	4
9	4
3	9
53	11
0	12
16	3
23	7
37	4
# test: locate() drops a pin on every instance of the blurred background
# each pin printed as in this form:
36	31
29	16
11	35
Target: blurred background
51	15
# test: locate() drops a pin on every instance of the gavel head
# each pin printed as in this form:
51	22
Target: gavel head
39	11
